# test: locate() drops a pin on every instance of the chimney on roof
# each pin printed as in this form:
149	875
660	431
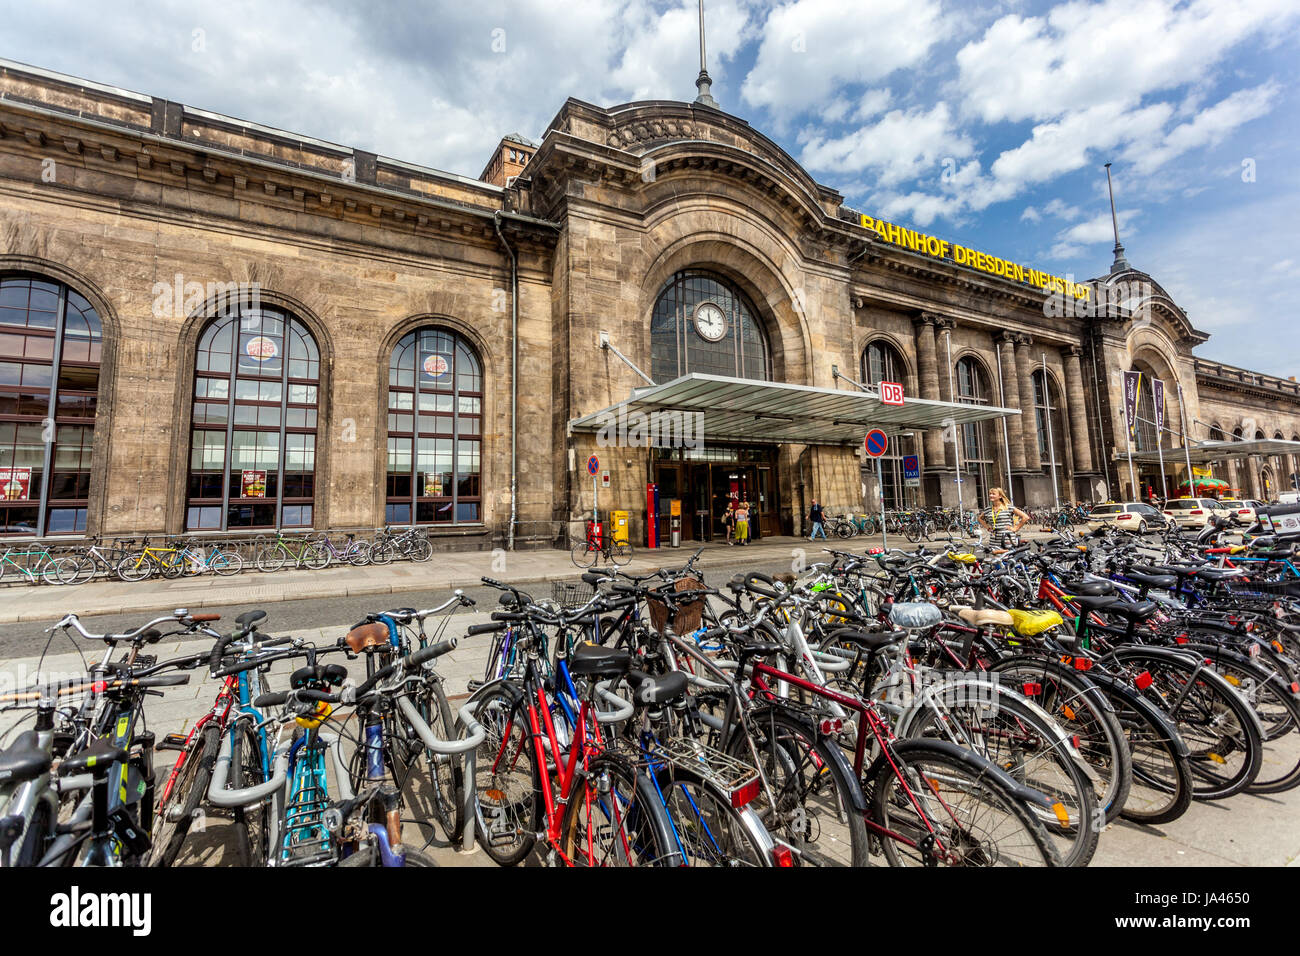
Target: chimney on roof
508	161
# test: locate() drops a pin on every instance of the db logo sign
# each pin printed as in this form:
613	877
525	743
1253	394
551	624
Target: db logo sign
891	393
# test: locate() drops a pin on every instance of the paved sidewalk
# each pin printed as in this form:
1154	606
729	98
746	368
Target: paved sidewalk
446	570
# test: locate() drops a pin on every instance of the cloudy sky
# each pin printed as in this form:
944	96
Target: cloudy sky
979	121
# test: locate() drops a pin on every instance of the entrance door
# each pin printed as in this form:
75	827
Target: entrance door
697	506
668	476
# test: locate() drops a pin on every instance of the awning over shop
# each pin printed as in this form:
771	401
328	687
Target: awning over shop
1212	451
738	409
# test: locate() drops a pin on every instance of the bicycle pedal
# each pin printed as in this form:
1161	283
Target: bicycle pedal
172	742
474	685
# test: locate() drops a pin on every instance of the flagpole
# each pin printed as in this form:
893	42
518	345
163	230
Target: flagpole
1187	440
1160	441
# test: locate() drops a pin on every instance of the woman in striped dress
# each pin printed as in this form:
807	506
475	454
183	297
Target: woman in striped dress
1002	519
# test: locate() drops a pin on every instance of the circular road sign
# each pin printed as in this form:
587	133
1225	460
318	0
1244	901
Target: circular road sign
593	465
876	443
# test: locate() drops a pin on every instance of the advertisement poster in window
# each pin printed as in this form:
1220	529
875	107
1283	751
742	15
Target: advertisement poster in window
252	484
435	367
261	349
432	486
15	484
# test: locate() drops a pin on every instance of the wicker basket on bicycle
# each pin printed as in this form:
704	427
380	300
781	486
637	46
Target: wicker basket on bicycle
689	613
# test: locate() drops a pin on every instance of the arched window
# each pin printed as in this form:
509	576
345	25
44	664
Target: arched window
977	444
50	343
1048	400
253	438
881	362
435	430
703	323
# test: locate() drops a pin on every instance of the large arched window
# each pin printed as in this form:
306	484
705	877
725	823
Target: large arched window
977	444
50	342
253	443
1047	400
435	430
881	362
703	323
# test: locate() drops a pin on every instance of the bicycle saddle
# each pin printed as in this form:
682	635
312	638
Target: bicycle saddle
870	641
1149	578
249	618
97	758
985	617
319	674
915	616
25	760
367	638
1091	588
1029	623
651	689
593	660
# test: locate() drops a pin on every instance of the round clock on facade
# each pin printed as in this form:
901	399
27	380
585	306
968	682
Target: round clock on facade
710	321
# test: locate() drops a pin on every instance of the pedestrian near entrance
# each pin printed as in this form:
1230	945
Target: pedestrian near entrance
729	519
818	519
1002	519
742	523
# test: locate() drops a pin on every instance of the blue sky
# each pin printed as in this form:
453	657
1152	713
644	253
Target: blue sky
982	122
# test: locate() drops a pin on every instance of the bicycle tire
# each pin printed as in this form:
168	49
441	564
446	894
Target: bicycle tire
135	567
708	829
620	554
1033	750
814	811
252	824
1206	723
961	772
172	565
433	793
421	550
626	825
382	552
358	556
226	562
369	855
314	557
583	555
508	794
177	806
65	570
271	558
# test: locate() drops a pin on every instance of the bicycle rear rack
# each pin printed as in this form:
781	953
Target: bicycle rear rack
726	773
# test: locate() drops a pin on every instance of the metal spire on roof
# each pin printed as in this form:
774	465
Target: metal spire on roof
703	82
1121	264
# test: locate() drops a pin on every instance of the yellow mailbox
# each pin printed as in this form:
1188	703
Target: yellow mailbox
618	519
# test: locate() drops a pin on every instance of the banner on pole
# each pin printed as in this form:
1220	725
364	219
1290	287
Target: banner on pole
1158	391
1132	383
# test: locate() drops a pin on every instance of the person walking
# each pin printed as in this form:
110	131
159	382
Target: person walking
1002	519
729	519
742	523
818	519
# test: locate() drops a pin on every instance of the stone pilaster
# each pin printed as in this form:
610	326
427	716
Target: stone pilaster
943	351
1011	399
928	379
1025	366
1077	405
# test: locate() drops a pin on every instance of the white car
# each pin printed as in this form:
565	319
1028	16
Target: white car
1196	512
1243	511
1127	516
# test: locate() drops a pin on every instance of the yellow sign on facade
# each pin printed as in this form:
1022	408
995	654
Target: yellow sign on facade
962	256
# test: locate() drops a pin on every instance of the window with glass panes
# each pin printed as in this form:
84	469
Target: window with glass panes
676	348
881	362
976	460
50	344
435	430
1047	401
253	438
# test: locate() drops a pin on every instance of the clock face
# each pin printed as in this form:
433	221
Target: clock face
710	321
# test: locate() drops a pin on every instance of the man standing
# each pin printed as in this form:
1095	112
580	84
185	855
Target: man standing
818	519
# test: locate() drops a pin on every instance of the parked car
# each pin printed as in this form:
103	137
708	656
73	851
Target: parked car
1196	512
1243	510
1127	516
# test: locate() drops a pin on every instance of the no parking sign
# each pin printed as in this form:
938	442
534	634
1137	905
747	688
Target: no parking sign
876	443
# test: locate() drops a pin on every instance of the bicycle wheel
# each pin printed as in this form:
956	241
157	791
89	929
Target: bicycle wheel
507	789
810	804
1083	712
1032	749
226	561
583	555
708	829
137	566
66	569
382	552
1223	736
271	558
172	564
421	550
358	555
614	818
252	824
1162	778
621	554
952	810
315	557
430	783
913	531
369	855
181	798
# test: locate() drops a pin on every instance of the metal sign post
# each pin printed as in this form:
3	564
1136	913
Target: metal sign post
1187	443
1006	438
876	444
1158	403
956	443
880	490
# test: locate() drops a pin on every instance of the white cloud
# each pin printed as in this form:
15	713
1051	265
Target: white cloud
1209	127
902	145
811	48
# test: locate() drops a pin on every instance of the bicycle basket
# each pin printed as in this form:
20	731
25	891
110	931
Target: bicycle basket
689	614
569	594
